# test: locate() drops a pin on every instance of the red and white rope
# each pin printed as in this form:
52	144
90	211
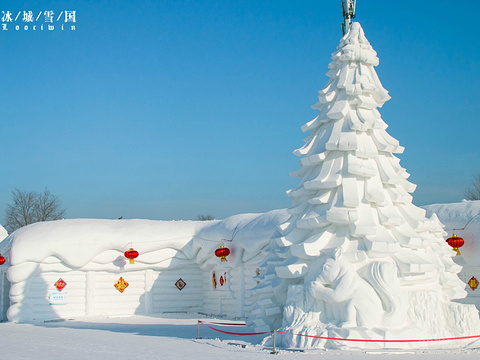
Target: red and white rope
383	341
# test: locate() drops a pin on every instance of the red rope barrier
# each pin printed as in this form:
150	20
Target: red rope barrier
231	333
219	323
332	338
383	341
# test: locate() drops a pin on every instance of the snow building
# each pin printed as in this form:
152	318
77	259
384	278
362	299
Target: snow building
463	220
247	236
77	268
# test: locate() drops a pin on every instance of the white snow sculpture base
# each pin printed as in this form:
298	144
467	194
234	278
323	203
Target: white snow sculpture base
429	317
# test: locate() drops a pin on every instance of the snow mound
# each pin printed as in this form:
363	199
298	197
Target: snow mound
80	243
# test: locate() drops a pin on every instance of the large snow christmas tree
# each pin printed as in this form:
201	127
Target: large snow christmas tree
357	259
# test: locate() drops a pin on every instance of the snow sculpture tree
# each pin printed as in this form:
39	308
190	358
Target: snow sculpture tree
355	252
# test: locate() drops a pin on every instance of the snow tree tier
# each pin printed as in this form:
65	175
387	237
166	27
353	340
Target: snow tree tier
356	259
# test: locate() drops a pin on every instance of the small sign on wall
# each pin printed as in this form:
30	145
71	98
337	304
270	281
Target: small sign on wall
58	298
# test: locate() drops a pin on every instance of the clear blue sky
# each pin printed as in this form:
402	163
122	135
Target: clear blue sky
171	109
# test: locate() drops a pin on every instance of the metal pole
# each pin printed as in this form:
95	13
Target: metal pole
198	329
274	351
348	12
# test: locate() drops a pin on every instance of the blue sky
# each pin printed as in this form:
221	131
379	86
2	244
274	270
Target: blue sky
171	109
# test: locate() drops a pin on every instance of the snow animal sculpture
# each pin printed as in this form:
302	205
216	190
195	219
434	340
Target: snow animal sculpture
356	301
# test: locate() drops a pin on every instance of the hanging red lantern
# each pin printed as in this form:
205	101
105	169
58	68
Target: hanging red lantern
222	252
131	255
455	242
2	260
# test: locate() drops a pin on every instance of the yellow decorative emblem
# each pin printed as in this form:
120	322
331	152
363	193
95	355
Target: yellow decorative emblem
473	283
121	285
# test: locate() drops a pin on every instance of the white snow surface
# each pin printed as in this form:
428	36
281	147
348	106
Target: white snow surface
169	337
79	241
93	244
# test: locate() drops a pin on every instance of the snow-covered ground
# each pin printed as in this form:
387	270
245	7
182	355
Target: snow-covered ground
168	337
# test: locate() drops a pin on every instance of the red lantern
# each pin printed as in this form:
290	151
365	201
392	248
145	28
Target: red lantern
131	255
2	260
455	242
222	252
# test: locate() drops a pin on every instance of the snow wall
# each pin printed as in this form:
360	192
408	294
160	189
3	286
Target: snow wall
246	236
172	273
88	256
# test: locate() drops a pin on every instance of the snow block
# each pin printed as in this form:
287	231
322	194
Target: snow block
340	108
291	271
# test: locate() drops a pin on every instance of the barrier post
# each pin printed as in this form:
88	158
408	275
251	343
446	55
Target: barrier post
198	329
274	351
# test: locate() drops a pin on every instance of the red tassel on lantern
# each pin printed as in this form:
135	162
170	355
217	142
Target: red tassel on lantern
455	242
131	255
222	252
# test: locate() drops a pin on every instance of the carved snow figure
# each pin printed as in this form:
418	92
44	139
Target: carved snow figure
394	277
358	300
